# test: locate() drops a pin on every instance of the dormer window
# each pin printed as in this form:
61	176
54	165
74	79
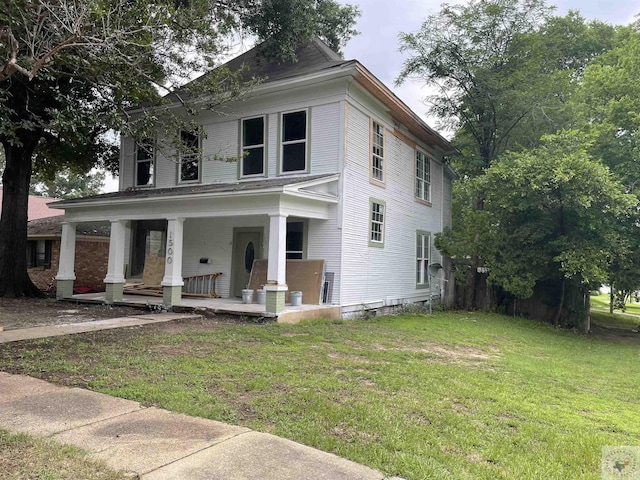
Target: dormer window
294	142
189	157
253	146
145	159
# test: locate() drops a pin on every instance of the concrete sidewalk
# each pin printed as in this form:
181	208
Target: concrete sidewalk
90	326
157	444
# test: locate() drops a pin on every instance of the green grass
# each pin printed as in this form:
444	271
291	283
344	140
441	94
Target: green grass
23	457
619	319
448	396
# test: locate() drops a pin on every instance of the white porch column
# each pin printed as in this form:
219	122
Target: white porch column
276	286
172	282
66	274
114	281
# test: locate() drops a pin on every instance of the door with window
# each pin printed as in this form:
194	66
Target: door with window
247	246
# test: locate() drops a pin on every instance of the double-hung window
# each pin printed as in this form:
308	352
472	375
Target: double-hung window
376	225
377	152
39	254
295	240
423	176
423	247
294	141
145	157
253	146
189	157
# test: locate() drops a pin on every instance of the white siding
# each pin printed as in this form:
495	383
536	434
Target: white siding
272	145
323	243
325	138
382	276
127	166
213	238
222	140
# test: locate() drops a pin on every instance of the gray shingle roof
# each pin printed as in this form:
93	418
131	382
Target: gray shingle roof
253	185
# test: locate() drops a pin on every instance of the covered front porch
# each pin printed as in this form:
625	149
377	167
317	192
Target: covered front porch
221	306
221	227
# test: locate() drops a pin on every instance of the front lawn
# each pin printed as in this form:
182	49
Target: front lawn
448	396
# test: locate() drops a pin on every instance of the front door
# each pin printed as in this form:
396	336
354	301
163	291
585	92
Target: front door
247	246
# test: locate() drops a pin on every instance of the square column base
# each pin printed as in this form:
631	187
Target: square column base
171	295
64	289
114	292
275	301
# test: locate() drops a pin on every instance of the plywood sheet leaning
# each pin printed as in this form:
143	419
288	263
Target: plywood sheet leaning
151	278
306	276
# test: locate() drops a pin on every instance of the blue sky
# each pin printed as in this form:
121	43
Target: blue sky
382	20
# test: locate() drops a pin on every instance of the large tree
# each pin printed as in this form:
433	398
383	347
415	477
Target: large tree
551	212
70	70
501	72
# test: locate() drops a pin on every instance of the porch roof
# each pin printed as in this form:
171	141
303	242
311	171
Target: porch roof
252	187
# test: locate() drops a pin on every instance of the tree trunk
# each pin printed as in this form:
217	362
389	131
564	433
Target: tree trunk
556	320
14	279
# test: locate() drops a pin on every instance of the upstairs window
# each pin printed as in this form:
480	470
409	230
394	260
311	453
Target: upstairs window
377	218
253	146
423	247
145	157
423	176
294	141
189	157
39	254
377	152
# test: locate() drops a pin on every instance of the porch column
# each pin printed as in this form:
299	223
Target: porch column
276	286
172	282
66	274
114	281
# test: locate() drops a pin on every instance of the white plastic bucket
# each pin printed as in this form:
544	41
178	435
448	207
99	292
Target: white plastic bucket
247	295
261	296
296	299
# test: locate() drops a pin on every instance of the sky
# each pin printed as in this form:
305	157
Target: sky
381	21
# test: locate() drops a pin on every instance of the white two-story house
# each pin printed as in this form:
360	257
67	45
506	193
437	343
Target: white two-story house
331	166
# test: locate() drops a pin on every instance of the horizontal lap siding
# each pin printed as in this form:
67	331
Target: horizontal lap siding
213	238
382	274
222	140
325	138
323	243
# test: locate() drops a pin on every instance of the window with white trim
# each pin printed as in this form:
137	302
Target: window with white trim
377	152
145	159
423	250
253	146
294	141
376	226
423	176
189	156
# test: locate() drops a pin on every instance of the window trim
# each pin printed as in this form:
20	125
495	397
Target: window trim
371	222
263	145
282	143
197	155
305	233
151	160
32	254
421	236
417	180
372	155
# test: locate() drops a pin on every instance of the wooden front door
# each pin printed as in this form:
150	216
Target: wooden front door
247	246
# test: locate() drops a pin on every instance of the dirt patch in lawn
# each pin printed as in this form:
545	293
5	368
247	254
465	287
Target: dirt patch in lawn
33	312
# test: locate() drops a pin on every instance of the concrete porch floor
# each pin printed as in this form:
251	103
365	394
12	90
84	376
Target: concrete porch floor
228	306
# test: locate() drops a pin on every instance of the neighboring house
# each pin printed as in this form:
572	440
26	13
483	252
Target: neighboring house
38	207
332	166
91	253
